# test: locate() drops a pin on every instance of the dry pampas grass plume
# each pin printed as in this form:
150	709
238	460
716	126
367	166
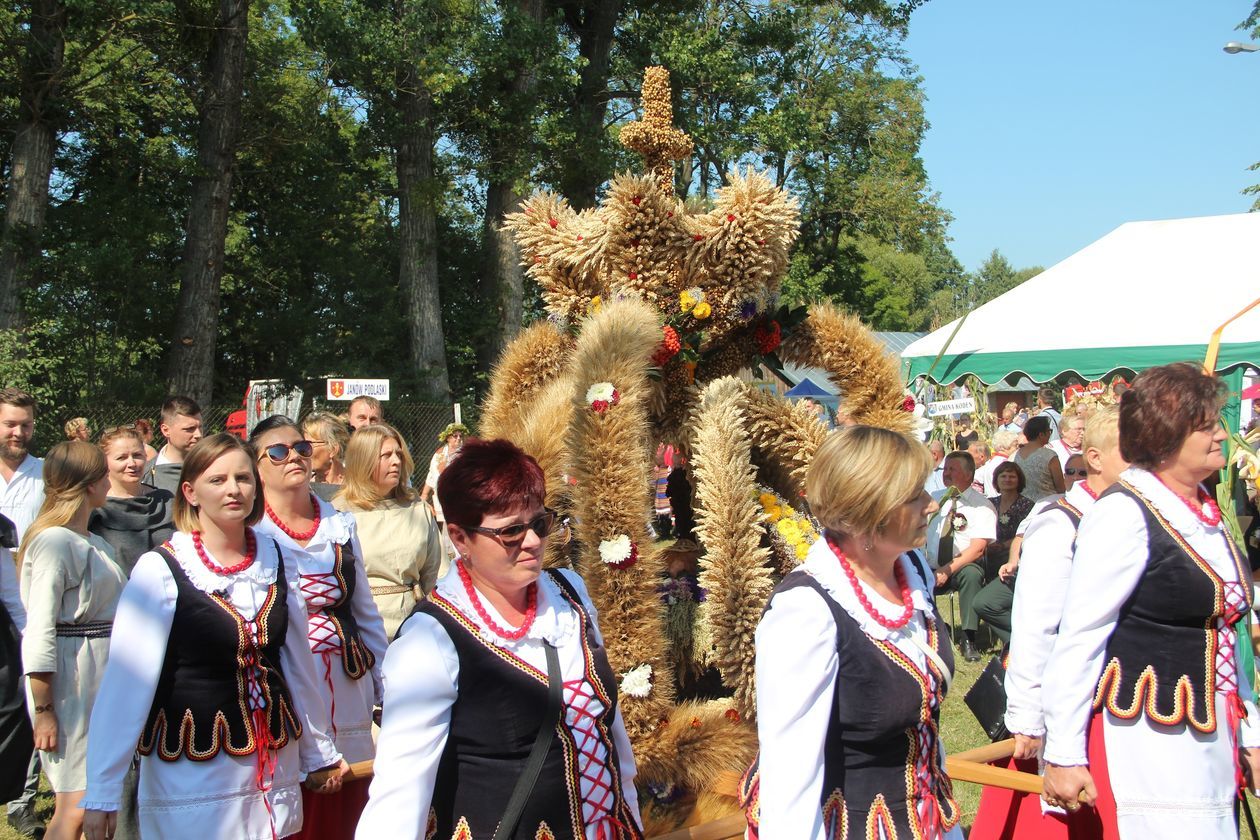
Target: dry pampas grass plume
728	522
784	437
532	360
611	462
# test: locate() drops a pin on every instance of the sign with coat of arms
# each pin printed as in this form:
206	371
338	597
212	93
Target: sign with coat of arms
349	389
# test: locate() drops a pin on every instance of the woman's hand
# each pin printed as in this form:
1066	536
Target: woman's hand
1026	746
1068	787
1249	758
45	726
99	825
327	780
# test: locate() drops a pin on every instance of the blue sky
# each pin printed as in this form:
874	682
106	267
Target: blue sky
1054	123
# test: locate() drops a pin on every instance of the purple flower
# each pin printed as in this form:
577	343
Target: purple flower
748	310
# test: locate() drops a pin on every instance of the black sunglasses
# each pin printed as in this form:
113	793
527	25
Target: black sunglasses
1070	471
279	452
548	522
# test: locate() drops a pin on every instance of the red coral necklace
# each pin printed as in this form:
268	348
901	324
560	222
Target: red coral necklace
298	536
531	609
1210	518
907	605
251	548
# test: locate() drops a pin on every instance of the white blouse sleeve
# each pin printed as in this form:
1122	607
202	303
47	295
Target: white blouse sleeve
46	572
363	605
621	740
142	627
10	593
1045	565
1111	556
315	748
796	676
421	675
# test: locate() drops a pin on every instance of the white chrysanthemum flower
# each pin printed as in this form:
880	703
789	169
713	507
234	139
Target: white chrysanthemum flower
616	550
637	682
600	392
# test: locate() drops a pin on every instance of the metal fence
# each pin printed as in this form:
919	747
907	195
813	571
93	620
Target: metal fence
419	423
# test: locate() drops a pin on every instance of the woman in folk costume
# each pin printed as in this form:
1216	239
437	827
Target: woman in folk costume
1147	646
500	716
211	673
345	631
852	660
1045	566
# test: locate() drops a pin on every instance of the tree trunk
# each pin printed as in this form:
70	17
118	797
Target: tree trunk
417	237
502	276
583	164
191	367
26	200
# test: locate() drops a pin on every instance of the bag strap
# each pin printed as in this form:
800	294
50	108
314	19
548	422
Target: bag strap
537	755
931	654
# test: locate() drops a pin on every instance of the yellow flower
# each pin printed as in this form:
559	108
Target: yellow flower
789	530
802	551
767	500
788	510
686	302
774	513
702	311
595	304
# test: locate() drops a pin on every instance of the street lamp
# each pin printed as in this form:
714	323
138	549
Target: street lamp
1235	47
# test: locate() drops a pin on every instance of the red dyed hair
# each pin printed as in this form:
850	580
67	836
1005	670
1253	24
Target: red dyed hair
489	477
1162	407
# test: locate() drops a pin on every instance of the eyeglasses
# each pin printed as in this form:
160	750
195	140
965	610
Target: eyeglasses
1071	471
543	525
279	452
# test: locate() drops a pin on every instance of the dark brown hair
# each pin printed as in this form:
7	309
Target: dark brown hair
1011	466
1163	407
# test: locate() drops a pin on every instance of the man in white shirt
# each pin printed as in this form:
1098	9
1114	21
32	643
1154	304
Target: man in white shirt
981	454
21	473
1071	437
1047	399
936	482
21	497
957	539
181	426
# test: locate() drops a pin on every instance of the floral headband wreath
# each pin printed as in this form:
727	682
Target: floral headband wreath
452	429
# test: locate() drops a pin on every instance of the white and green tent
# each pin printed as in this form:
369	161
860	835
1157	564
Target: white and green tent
1146	294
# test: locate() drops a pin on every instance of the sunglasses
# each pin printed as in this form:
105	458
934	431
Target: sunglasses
279	452
548	522
1070	471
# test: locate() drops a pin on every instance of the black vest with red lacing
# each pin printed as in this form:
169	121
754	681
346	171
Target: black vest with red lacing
501	705
203	699
332	626
882	765
1162	657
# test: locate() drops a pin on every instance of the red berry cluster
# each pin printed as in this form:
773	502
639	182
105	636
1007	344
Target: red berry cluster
908	404
669	346
768	337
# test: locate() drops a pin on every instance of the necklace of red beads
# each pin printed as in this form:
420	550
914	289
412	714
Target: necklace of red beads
1089	491
531	609
907	605
251	548
298	536
1210	517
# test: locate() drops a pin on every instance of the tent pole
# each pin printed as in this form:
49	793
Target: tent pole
950	341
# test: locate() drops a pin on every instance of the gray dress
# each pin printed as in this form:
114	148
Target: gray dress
70	586
134	526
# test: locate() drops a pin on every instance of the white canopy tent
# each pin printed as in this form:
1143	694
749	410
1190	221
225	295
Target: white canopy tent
1146	294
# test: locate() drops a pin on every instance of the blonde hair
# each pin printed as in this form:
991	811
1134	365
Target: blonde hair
1004	441
118	433
70	468
73	427
197	461
362	456
1102	430
327	427
861	474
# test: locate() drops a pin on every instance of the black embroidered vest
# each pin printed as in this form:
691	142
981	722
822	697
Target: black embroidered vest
872	750
356	658
501	705
201	704
1161	658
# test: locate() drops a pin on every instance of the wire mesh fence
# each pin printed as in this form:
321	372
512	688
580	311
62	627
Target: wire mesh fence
418	423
